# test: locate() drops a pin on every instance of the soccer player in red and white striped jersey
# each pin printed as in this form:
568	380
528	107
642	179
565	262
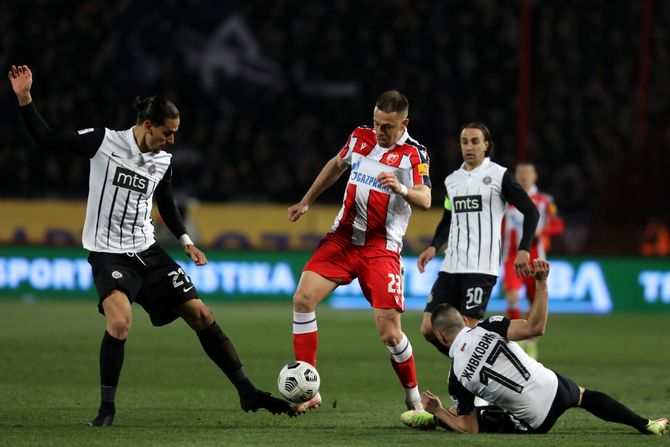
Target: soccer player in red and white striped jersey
550	224
389	176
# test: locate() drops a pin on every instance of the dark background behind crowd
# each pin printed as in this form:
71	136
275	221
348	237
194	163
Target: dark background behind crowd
269	91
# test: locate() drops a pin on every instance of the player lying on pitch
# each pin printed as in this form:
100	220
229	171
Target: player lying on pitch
488	363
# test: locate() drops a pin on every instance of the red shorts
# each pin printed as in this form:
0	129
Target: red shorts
512	282
379	271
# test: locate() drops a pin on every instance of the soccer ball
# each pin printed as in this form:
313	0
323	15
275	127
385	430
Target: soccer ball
298	381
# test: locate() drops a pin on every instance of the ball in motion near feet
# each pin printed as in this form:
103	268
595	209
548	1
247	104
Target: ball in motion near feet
298	381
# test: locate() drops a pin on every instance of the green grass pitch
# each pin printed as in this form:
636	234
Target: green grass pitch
171	394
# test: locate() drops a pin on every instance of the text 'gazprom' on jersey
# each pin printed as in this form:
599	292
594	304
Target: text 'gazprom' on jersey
368	180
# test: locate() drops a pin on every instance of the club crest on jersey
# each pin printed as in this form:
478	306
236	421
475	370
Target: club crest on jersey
392	158
467	204
152	169
487	180
125	178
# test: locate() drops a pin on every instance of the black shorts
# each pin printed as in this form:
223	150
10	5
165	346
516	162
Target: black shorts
467	292
151	278
567	396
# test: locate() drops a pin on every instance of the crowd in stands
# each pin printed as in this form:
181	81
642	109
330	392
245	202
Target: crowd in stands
268	91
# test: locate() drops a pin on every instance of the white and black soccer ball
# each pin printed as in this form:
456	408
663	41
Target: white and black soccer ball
298	381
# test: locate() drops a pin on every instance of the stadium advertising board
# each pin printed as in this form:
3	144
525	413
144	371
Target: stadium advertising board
224	226
576	285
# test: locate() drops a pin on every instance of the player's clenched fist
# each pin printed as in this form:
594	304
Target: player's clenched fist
540	269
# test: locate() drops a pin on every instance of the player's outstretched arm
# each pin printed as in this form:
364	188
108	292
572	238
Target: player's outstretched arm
450	418
84	143
539	311
332	171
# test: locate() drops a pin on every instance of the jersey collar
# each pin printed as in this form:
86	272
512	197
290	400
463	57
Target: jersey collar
458	341
402	140
486	162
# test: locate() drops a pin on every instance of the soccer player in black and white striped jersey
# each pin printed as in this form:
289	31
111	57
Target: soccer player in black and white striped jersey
128	169
476	197
487	362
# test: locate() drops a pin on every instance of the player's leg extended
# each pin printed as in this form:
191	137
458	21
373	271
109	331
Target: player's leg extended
402	357
312	289
605	407
118	320
220	349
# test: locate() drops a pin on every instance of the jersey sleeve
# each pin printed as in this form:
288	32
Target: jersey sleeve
554	224
442	230
348	148
421	167
167	207
84	142
514	194
463	399
497	324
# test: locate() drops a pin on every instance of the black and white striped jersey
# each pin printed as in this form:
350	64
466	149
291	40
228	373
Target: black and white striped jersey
474	207
123	182
477	209
487	365
121	186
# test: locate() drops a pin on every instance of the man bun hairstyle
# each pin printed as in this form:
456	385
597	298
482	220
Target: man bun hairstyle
393	101
154	109
485	131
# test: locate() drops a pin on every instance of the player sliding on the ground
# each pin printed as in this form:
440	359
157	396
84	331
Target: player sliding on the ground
130	168
488	363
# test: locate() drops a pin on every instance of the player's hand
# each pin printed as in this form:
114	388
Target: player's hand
522	264
195	254
540	270
431	403
21	79
389	180
297	210
425	257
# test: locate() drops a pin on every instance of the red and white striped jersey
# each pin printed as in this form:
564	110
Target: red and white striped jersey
372	215
548	225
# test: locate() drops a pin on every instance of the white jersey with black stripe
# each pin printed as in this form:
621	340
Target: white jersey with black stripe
488	365
477	207
121	185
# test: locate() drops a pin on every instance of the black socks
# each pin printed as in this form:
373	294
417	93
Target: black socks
608	409
220	349
111	361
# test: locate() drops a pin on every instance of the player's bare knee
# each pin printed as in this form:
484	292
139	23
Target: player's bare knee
206	317
391	338
197	316
119	327
302	302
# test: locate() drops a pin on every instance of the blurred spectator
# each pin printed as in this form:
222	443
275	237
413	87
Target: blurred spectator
655	239
266	89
